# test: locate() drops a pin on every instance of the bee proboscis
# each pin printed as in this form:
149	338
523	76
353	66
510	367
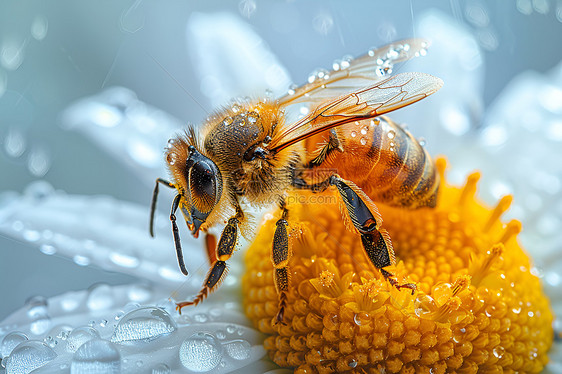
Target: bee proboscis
251	151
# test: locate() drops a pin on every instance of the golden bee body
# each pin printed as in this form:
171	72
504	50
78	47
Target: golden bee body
257	153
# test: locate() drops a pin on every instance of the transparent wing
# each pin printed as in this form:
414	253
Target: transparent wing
351	74
386	96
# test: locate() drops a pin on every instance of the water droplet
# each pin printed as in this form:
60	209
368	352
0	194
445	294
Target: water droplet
220	334
81	260
47	249
364	131
10	341
14	143
424	304
230	329
11	53
184	319
252	117
516	310
100	297
3	82
161	369
292	89
247	8
132	19
363	141
143	325
31	235
323	23
96	356
352	363
238	349
123	260
201	352
345	62
201	318
139	293
541	6
79	336
524	6
39	161
29	356
57	334
37	313
353	134
235	108
39	27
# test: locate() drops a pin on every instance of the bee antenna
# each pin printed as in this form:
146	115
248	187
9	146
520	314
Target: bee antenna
153	203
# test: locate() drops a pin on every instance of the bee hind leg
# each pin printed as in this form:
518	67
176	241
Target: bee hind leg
365	217
224	250
280	258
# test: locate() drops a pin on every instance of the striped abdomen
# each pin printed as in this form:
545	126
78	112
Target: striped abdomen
384	160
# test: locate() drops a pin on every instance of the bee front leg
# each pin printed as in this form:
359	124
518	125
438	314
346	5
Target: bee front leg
280	258
224	249
365	217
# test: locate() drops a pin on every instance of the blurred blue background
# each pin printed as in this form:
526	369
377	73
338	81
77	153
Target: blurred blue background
54	53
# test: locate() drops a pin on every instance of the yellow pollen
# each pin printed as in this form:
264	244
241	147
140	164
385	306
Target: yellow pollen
477	307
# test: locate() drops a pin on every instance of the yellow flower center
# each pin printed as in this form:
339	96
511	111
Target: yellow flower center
477	305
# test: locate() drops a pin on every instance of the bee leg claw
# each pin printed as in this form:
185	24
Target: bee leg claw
393	282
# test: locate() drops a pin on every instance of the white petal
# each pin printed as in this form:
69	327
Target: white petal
232	59
128	129
149	335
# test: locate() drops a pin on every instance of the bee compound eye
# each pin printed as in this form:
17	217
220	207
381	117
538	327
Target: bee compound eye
205	185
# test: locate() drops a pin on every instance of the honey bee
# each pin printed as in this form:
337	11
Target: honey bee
252	152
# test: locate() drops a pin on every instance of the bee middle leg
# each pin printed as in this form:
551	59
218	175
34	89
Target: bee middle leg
365	218
280	258
223	252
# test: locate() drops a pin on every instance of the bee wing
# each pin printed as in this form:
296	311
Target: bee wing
362	72
393	93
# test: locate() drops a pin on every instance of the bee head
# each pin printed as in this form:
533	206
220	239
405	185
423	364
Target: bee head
204	188
197	179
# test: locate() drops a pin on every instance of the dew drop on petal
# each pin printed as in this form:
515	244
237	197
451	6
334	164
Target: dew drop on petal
139	292
143	325
79	336
29	356
14	142
238	349
161	369
12	53
3	82
81	260
39	161
123	260
201	352
323	23
100	297
96	356
247	8
10	341
39	27
47	249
